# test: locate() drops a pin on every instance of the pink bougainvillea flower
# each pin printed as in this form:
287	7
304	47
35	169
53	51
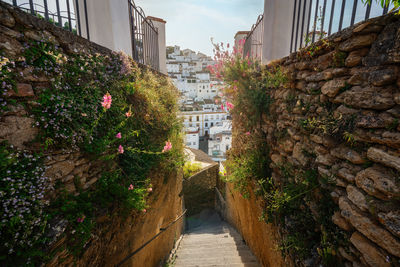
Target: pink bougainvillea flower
144	210
121	149
167	147
128	114
149	189
222	107
216	101
247	133
106	103
220	94
229	105
130	187
118	135
227	45
81	219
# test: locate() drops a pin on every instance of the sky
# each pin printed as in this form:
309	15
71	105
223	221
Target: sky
191	23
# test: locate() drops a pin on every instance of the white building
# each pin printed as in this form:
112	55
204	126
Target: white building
203	120
113	18
192	138
220	140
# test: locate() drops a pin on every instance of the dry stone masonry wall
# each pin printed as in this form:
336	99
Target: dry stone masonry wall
339	115
75	172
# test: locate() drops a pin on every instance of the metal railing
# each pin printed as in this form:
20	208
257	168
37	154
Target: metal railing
62	13
144	37
316	19
162	230
254	40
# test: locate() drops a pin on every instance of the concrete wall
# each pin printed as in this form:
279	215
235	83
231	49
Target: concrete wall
159	24
278	16
108	22
278	21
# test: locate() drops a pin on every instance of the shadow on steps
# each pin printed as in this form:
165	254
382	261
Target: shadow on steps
210	241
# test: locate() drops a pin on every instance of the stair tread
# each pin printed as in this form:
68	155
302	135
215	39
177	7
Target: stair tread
216	244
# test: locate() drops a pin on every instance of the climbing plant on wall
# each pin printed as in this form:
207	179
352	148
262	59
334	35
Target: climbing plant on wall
107	108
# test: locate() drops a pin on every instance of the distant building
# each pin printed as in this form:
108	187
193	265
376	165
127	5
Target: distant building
192	138
203	120
220	140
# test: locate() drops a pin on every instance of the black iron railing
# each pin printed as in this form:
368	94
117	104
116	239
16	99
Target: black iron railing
144	37
316	19
62	13
254	40
162	230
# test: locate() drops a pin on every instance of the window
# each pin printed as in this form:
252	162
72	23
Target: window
217	116
198	118
188	143
204	87
206	133
198	124
206	124
212	124
194	143
190	118
227	147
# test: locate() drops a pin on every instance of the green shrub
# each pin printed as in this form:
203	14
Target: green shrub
190	168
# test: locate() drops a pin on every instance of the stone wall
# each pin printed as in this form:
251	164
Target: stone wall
198	189
244	214
115	236
339	115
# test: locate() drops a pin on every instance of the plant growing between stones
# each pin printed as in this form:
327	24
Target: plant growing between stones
122	117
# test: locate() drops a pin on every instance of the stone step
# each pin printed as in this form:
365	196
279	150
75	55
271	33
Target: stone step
218	261
216	258
214	243
222	265
212	253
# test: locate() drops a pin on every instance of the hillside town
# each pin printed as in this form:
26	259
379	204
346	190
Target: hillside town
207	124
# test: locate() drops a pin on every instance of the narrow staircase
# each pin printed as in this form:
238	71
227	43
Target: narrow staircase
210	241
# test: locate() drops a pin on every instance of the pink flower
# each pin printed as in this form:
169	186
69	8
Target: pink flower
216	101
106	101
229	105
227	45
118	135
149	189
247	133
130	187
121	149
222	107
128	114
81	219
144	210
167	147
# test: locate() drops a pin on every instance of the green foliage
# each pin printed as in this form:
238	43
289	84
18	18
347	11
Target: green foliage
338	128
190	168
22	217
339	59
386	3
250	163
70	115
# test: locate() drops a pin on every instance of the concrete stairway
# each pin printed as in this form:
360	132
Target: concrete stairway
211	242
